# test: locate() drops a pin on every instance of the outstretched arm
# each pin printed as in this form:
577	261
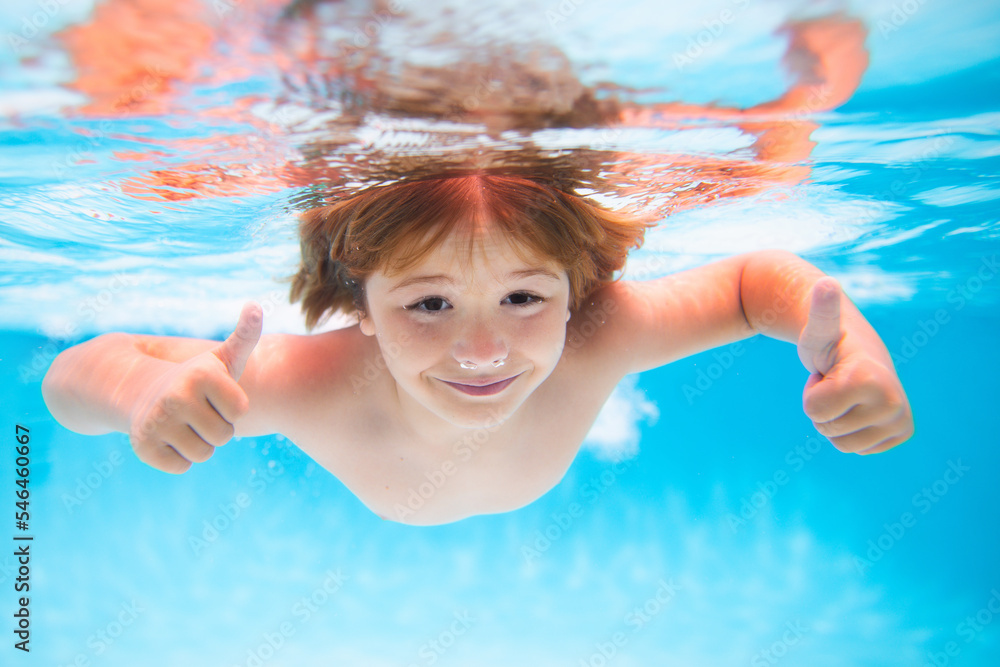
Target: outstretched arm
853	394
826	57
176	398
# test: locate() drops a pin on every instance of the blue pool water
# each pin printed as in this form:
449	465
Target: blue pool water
730	533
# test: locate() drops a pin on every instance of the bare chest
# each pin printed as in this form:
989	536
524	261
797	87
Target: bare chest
481	471
485	471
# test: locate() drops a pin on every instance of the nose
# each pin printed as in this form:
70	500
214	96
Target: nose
481	345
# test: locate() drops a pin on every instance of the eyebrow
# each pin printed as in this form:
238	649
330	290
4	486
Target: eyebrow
439	279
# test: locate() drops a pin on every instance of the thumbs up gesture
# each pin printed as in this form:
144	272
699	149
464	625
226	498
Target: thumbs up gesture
191	407
853	395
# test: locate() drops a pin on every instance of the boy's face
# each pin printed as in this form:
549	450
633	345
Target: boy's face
469	338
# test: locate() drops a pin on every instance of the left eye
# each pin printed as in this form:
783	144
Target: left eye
523	299
432	304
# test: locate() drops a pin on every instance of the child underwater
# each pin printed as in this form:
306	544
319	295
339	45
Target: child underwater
485	290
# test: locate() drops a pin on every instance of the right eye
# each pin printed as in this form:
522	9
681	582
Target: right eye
434	304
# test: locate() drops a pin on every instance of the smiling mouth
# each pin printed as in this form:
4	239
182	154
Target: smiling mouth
482	389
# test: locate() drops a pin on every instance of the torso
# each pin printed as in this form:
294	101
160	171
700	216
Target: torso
488	470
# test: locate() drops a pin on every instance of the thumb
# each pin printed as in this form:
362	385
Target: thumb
819	338
236	349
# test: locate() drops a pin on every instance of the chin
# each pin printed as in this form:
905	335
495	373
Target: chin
486	416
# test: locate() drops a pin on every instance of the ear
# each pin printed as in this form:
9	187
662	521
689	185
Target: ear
366	325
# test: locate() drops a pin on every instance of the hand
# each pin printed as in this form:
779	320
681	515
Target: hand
853	396
191	408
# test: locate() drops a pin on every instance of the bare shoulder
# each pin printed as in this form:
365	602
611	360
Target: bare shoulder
289	376
647	324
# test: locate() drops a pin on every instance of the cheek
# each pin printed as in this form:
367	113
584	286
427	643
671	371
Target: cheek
409	346
547	334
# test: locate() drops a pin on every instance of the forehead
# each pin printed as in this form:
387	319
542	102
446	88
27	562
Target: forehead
475	247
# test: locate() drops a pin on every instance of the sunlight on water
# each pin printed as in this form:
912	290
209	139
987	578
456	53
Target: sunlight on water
198	168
